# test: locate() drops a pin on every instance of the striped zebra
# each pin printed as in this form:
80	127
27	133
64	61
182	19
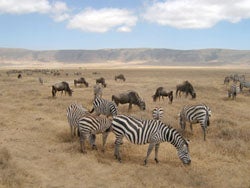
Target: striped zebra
157	113
148	131
105	107
233	91
195	114
74	113
91	125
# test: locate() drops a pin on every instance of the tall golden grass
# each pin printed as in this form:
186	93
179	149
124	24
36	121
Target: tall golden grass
36	149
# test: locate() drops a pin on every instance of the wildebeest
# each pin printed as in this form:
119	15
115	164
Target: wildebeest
101	81
19	76
40	80
62	86
187	88
161	92
227	80
81	81
130	97
120	77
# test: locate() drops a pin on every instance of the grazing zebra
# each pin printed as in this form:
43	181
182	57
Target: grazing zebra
195	114
89	126
244	84
74	114
148	131
157	113
98	90
233	91
105	107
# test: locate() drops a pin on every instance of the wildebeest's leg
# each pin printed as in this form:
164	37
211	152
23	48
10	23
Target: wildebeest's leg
156	152
129	106
150	148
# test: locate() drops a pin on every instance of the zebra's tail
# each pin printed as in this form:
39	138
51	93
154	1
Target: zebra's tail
78	132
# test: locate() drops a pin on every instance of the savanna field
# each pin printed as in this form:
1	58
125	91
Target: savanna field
36	148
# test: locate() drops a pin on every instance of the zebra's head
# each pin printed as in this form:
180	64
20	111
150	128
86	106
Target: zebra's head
183	153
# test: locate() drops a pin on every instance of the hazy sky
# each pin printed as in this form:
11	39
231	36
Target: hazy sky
98	24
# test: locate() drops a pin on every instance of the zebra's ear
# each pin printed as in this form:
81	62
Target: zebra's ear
179	114
188	141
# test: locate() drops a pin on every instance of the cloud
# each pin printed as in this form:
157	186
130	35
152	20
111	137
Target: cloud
103	20
196	14
58	10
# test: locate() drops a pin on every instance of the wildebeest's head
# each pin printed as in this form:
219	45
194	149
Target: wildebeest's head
142	105
193	95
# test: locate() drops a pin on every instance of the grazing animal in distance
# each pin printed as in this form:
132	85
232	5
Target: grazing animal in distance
62	86
40	80
98	90
120	77
227	80
157	113
101	81
244	84
130	97
151	131
81	81
233	91
74	113
105	107
161	92
19	76
89	126
195	114
187	88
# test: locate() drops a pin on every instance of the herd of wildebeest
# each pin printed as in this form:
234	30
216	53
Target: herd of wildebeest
134	129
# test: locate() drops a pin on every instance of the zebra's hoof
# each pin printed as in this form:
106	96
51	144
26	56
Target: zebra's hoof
145	162
157	161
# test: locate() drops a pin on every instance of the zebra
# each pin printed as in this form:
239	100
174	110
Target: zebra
157	113
195	114
91	125
105	107
148	131
74	113
98	90
233	91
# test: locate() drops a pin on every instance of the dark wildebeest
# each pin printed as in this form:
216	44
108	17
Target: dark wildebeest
81	81
19	76
120	77
187	88
130	97
161	92
227	80
62	86
101	81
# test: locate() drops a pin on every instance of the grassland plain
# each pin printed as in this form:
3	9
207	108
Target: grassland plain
36	149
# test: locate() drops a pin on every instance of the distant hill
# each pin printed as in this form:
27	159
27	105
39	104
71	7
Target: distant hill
146	56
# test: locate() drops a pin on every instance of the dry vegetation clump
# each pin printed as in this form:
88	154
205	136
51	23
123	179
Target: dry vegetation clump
37	149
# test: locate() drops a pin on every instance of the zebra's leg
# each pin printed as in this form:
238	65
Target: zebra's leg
204	132
150	148
104	139
92	138
82	142
156	152
118	142
191	127
71	130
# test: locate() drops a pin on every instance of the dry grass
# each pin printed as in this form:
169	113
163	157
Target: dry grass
36	149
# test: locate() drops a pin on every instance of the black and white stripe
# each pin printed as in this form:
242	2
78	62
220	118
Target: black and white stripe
157	113
89	126
233	91
105	107
148	131
74	114
195	114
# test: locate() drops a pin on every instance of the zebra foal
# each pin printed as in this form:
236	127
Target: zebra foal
195	114
233	91
89	126
148	131
105	107
74	114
